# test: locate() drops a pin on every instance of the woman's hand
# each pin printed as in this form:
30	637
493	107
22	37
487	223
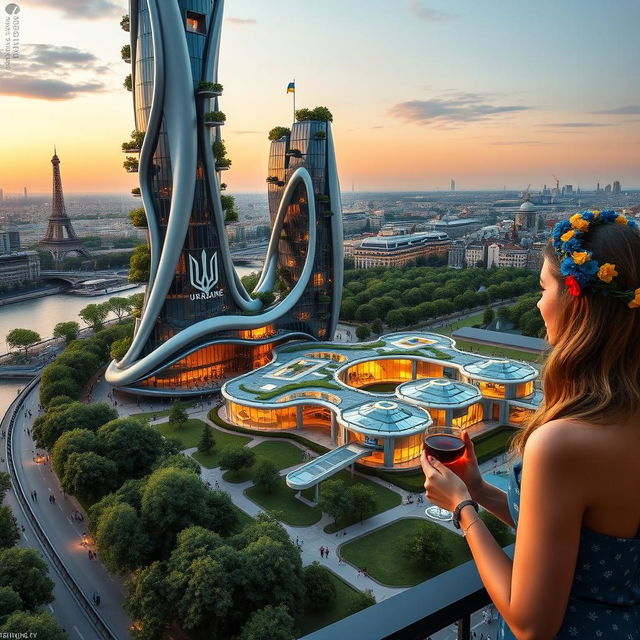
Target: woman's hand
442	486
466	468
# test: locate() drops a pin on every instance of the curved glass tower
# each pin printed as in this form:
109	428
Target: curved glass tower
199	326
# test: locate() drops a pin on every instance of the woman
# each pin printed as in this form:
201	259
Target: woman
574	495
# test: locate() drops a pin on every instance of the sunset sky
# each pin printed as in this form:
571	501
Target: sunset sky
488	92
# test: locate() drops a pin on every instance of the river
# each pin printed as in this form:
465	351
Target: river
42	315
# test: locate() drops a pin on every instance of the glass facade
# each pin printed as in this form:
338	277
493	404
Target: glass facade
517	415
464	418
407	449
525	389
256	418
377	371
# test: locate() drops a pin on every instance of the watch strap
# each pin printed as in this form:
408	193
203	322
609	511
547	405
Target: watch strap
458	509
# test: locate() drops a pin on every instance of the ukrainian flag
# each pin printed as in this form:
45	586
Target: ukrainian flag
291	87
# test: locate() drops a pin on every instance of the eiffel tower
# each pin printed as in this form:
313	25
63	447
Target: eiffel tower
54	240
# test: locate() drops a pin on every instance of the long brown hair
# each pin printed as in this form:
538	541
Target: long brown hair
593	372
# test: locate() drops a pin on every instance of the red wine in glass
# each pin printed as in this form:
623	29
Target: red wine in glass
446	448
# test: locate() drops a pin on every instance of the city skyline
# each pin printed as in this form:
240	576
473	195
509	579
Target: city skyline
493	95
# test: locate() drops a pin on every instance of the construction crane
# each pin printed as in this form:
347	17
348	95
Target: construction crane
525	195
557	185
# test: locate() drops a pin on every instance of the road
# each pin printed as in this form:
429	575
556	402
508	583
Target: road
66	536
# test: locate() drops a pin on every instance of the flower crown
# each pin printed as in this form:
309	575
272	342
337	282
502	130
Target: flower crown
579	269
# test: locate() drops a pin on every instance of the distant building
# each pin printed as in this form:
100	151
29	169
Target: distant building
607	189
17	268
399	250
456	227
453	184
1	195
513	255
616	187
536	256
568	188
527	217
456	255
476	252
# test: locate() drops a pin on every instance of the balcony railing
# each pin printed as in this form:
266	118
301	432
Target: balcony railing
419	612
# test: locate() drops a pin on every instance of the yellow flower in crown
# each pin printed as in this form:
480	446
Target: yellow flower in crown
596	214
578	222
607	272
622	220
565	237
580	257
635	303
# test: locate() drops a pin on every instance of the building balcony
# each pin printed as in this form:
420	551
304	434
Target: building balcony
419	612
222	167
214	118
209	90
135	192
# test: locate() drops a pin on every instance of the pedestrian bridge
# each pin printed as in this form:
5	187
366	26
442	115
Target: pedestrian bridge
319	469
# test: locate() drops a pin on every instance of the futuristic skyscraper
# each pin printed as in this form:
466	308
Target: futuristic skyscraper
199	325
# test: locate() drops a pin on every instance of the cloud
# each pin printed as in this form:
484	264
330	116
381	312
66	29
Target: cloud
463	107
49	72
46	89
632	109
574	125
85	9
425	12
240	21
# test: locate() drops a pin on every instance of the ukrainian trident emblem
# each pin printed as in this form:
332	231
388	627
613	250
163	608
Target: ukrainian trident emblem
204	276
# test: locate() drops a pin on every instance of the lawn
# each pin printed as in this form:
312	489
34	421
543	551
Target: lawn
148	415
381	553
223	439
447	329
385	498
189	435
311	620
500	352
243	518
495	443
283	500
282	454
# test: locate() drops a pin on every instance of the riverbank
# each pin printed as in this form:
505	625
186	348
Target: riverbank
30	295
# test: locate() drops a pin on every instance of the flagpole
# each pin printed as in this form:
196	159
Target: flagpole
294	100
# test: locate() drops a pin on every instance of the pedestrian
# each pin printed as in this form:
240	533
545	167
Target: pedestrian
322	552
22	527
326	552
50	496
90	554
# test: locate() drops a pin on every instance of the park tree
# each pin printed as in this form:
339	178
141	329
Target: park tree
138	217
319	589
376	326
165	511
178	461
77	415
361	500
122	541
148	601
22	339
5	484
67	330
360	600
178	416
10	601
9	532
41	625
427	547
120	347
348	309
88	476
24	571
396	318
488	316
119	306
74	441
269	623
363	331
132	445
333	498
94	315
266	475
235	458
207	441
136	300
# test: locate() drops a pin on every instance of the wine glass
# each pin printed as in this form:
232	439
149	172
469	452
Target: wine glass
445	444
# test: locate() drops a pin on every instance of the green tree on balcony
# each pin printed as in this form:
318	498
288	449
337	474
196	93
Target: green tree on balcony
279	132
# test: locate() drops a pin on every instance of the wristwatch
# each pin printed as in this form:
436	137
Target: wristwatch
458	509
